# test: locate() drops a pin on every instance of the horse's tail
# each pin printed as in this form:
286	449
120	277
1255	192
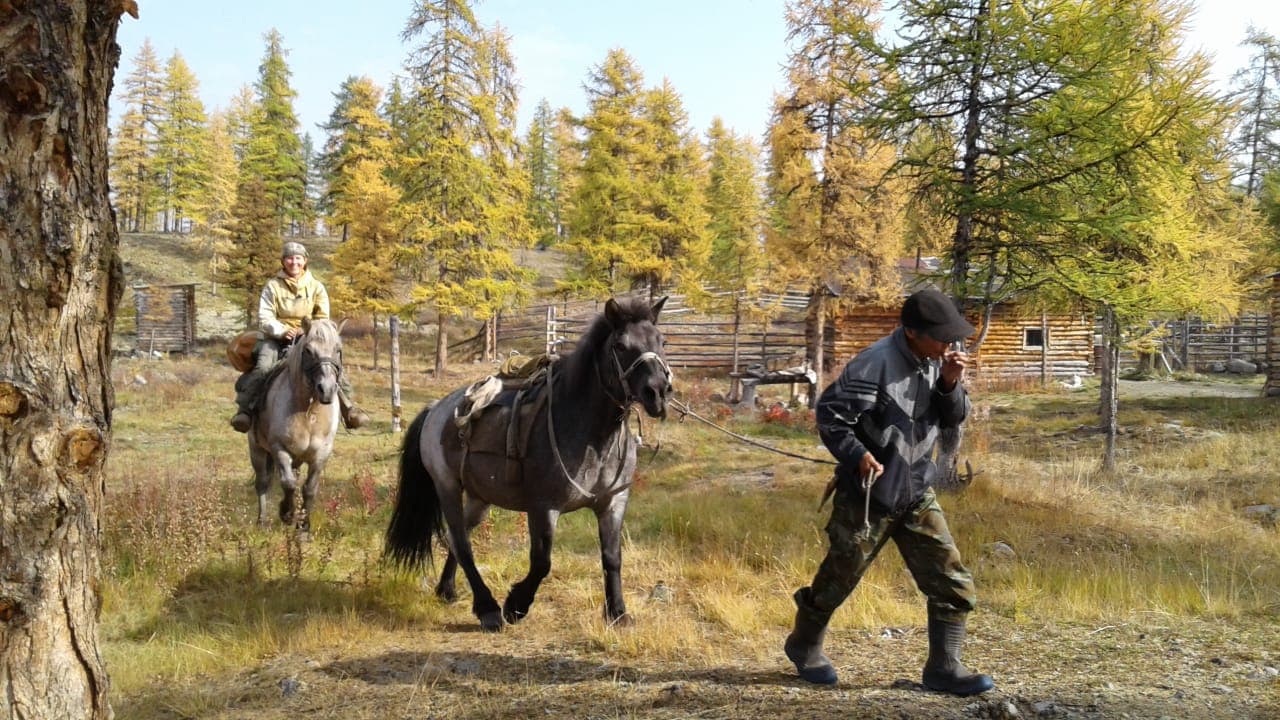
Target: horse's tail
416	516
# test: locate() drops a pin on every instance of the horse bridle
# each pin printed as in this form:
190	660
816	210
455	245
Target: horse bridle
627	397
312	364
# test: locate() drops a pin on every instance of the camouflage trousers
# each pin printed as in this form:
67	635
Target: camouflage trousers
922	538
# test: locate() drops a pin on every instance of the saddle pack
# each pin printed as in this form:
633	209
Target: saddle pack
520	385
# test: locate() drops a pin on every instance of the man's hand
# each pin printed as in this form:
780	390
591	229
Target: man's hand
291	333
952	370
868	464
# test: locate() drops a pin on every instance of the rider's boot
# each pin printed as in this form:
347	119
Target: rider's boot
242	420
354	417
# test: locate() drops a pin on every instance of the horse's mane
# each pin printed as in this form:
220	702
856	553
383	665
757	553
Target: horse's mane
583	358
323	334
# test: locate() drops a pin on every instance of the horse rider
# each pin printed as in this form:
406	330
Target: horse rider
880	419
289	297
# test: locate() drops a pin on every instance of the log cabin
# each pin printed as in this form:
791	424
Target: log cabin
1021	342
1272	386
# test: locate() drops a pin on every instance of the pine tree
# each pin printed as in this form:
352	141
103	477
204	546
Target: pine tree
355	132
274	149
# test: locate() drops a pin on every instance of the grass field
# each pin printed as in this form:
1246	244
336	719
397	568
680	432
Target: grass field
1144	594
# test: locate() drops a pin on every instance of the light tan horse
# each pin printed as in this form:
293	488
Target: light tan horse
298	420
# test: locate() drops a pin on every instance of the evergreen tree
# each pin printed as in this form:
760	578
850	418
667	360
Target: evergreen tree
457	169
137	188
242	115
313	188
1257	88
255	251
608	199
182	147
542	163
355	132
274	149
836	226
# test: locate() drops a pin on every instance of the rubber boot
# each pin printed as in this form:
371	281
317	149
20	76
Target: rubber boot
943	671
804	644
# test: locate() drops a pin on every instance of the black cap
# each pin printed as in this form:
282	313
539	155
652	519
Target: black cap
933	314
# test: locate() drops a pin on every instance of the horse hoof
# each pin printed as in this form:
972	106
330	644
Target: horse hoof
447	596
621	621
513	616
491	621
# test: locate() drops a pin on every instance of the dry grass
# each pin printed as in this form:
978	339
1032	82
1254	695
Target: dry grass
1121	590
200	606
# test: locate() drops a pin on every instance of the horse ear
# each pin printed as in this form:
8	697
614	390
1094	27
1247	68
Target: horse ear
342	325
306	324
613	314
657	308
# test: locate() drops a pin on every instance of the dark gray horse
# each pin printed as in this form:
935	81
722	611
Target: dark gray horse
558	444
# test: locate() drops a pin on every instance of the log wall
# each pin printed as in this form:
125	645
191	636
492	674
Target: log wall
166	317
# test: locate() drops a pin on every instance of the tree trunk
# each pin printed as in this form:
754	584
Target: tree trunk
60	278
442	344
1110	371
393	328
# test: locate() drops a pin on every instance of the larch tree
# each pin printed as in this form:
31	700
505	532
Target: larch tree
242	113
735	224
1256	144
542	164
672	244
608	196
355	132
60	282
134	174
182	146
456	168
835	227
1155	232
274	149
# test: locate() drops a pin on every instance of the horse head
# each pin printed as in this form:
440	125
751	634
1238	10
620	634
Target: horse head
638	356
317	357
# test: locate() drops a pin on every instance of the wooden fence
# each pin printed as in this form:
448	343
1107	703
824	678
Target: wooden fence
1197	345
694	339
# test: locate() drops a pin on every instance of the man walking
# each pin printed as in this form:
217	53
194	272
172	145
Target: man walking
880	419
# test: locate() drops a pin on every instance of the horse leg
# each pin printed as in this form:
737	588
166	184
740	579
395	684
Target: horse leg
474	512
288	481
262	473
542	530
609	521
483	606
309	489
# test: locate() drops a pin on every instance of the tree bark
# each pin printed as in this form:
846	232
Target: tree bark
60	282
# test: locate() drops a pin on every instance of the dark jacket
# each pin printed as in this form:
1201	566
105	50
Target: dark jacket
887	402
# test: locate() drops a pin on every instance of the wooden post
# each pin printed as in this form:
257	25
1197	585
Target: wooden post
551	330
1044	349
393	323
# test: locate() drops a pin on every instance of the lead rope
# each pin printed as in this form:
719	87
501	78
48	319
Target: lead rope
555	447
864	534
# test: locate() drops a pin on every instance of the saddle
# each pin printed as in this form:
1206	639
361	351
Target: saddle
520	385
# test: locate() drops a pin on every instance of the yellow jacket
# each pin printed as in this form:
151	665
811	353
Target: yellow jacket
285	302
